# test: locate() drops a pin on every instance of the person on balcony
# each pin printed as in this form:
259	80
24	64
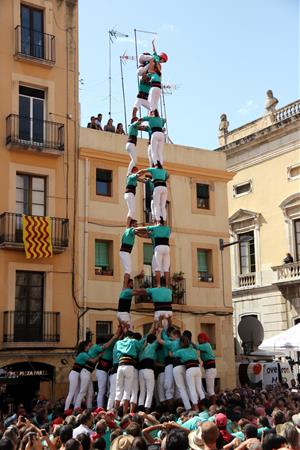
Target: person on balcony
124	305
208	358
127	243
288	259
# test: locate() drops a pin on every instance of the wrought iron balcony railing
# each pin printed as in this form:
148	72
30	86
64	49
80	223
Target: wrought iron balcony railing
148	216
32	44
30	132
31	326
176	284
11	231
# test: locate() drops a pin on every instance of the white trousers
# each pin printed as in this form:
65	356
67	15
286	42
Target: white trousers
112	391
102	377
169	382
166	314
210	375
74	383
85	389
135	387
150	155
124	381
157	147
131	149
142	102
180	380
125	258
147	382
154	96
124	317
194	383
160	195
129	198
160	387
162	258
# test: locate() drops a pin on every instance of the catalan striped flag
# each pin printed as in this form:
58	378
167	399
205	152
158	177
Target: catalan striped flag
37	237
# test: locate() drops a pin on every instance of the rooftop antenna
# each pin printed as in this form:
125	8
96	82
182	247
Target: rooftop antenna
112	35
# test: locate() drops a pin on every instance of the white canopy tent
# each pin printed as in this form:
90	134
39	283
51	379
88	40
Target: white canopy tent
287	340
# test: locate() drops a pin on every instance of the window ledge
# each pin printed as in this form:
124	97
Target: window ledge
34	60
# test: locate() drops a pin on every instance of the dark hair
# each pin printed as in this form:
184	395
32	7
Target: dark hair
176	332
139	443
85	441
264	421
119	124
184	342
279	418
103	338
6	444
188	334
273	442
134	429
65	433
114	434
72	444
137	336
85	416
250	431
170	329
99	444
156	113
177	440
151	338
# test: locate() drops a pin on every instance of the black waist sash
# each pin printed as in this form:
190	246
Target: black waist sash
143	95
126	248
104	364
156	129
156	84
77	367
159	183
177	362
210	364
124	305
90	366
161	241
131	189
162	306
114	369
146	363
168	360
132	139
127	361
191	363
158	368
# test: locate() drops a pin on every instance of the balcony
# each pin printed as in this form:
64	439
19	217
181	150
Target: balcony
176	284
247	280
147	216
11	232
287	273
32	134
34	45
31	326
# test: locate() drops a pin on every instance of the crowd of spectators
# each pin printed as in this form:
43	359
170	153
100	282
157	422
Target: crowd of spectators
96	124
242	419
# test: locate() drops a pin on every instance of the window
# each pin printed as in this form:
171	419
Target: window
148	192
297	239
242	189
103	328
202	195
28	317
30	195
148	253
294	172
104	182
250	315
210	330
247	254
205	269
32	26
31	115
103	257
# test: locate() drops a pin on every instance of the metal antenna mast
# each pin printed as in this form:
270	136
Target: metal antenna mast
112	35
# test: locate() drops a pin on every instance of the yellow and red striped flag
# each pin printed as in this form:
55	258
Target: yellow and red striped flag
37	237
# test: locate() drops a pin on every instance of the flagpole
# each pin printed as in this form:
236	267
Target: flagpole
123	92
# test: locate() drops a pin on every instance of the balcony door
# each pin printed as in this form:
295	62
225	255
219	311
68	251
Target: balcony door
31	115
32	26
28	314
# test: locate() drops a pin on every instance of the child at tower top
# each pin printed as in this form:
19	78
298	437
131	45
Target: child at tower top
145	58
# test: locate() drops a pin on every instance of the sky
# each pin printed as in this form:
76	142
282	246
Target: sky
223	57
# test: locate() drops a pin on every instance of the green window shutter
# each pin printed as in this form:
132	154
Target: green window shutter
148	253
202	190
101	254
202	261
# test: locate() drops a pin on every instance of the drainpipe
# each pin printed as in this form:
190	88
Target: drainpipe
85	240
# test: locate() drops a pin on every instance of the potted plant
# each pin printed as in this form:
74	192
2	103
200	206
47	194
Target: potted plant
178	276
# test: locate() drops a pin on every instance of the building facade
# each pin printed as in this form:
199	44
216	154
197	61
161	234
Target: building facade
197	213
38	141
264	203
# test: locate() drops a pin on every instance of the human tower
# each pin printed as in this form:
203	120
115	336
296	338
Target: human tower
132	369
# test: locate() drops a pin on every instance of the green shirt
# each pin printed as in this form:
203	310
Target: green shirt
95	350
127	347
206	351
115	355
160	294
133	129
154	77
144	87
193	423
149	351
108	353
160	355
158	174
82	358
159	231
186	354
169	343
128	236
126	294
131	180
154	122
